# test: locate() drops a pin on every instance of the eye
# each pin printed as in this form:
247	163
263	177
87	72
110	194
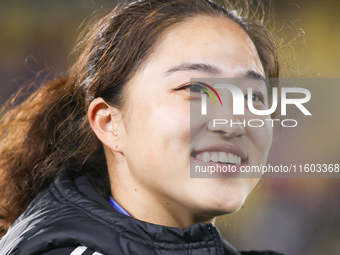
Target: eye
256	97
195	87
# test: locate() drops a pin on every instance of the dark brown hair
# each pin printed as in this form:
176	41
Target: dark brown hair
49	130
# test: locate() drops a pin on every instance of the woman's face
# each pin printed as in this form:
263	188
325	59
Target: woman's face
155	133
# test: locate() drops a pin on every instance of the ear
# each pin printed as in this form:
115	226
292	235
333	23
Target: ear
104	120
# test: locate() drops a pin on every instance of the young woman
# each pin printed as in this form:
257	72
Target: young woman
98	162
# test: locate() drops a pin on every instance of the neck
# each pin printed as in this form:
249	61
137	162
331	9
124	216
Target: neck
150	206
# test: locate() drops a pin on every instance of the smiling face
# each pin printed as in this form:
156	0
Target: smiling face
150	177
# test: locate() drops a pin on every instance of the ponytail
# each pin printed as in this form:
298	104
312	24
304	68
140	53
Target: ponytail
43	135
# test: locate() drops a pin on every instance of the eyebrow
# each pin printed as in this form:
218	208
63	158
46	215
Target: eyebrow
253	75
202	67
208	68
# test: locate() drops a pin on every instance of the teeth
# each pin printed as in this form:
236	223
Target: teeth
232	158
214	157
206	157
223	157
219	157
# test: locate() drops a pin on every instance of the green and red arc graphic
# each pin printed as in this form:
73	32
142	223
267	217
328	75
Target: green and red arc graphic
209	93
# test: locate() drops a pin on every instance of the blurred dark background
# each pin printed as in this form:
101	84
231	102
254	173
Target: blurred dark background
294	216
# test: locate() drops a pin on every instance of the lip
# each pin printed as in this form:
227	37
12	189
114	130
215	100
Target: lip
222	147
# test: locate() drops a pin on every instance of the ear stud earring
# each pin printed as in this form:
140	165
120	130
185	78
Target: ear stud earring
114	132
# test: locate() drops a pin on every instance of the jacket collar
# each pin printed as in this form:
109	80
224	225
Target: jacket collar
81	193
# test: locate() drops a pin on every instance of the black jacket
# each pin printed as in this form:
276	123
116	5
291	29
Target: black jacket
70	214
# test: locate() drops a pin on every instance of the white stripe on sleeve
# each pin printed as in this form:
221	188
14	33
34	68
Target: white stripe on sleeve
97	253
79	250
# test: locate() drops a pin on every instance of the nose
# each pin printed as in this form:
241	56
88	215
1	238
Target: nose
231	127
222	119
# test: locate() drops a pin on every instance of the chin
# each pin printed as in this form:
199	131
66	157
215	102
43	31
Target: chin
230	207
222	206
231	199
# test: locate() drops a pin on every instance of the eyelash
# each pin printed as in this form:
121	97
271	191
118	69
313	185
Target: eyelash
259	95
189	85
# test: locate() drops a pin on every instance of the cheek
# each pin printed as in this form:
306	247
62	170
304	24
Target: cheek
173	129
159	129
158	143
261	139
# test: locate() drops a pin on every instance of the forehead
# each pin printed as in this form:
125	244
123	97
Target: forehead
217	40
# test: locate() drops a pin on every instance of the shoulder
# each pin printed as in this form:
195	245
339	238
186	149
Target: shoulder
80	250
54	222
